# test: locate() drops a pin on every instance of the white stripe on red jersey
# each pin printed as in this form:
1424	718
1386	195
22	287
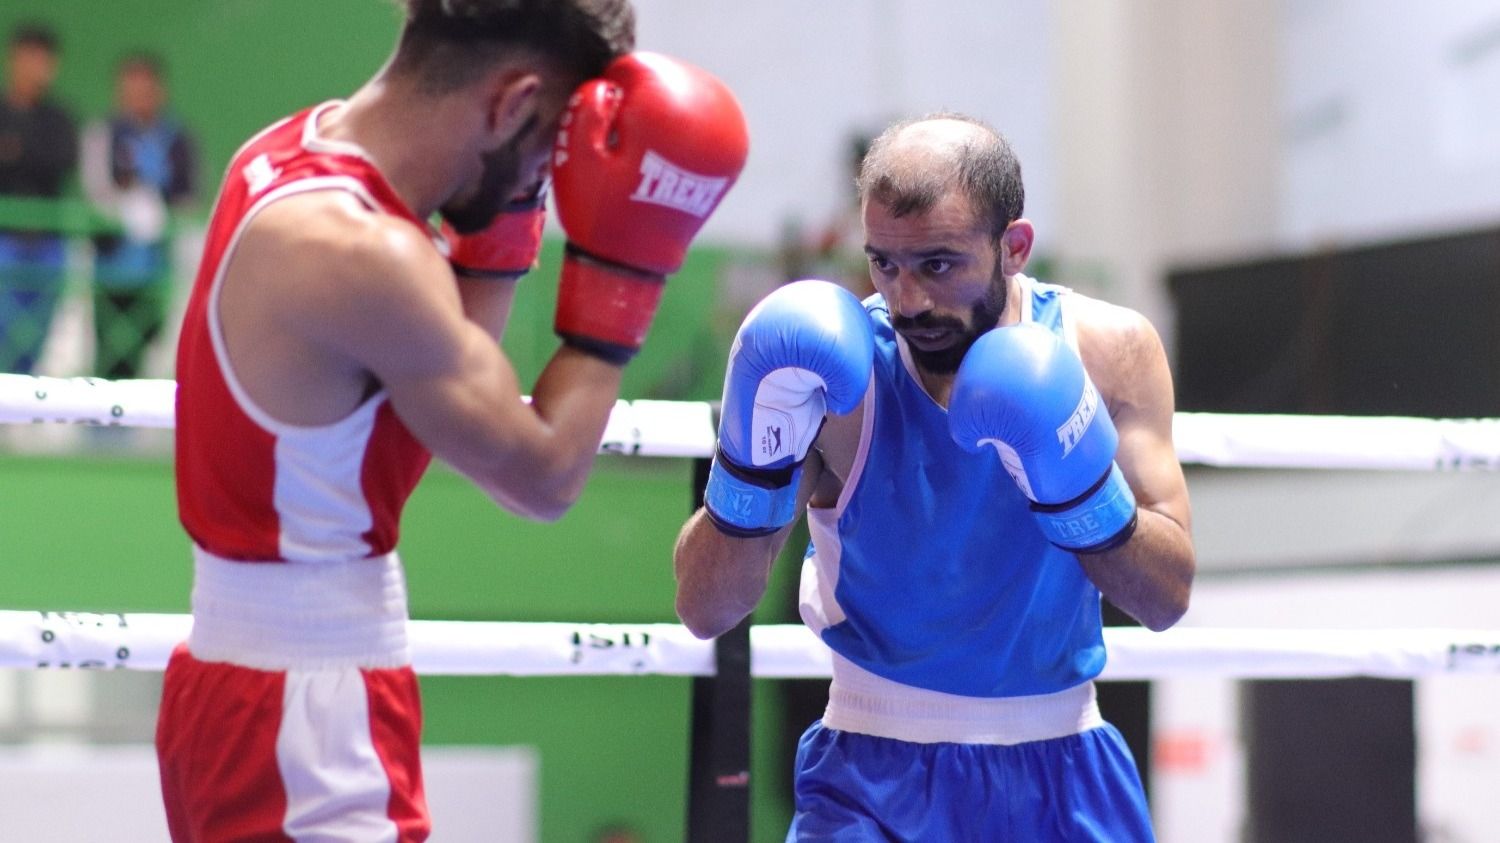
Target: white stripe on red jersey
252	488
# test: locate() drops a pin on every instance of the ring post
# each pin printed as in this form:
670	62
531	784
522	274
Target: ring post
718	809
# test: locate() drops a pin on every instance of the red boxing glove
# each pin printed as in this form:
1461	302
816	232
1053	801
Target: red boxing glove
644	155
508	248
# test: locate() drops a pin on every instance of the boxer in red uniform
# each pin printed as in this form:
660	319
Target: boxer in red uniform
333	342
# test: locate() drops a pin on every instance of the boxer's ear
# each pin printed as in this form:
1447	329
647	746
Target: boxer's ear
1015	246
514	101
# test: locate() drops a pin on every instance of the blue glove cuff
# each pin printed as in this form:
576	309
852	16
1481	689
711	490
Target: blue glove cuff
1100	519
745	503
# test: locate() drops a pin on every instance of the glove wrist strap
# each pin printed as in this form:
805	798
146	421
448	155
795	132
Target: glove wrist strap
605	308
506	250
574	252
745	502
1101	519
477	274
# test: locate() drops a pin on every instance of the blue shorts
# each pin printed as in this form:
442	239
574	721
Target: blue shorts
853	787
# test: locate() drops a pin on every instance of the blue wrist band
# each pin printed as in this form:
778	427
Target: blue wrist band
1102	518
742	507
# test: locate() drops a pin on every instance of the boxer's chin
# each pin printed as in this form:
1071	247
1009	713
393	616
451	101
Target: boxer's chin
944	360
499	180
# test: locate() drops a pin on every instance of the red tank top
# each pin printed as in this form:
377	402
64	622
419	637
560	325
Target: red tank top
252	488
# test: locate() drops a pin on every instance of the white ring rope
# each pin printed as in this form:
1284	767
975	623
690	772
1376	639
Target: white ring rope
41	640
129	403
686	429
637	428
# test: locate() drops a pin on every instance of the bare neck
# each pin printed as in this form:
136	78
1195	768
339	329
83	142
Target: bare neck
409	138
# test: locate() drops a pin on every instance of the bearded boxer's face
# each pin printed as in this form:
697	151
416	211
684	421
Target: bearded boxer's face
504	174
515	169
941	275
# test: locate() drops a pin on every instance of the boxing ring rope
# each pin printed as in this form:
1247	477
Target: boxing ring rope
85	640
719	758
686	429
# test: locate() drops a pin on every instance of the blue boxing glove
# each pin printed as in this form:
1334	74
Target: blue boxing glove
805	350
1024	391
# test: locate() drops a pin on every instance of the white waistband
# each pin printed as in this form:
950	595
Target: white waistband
299	615
859	701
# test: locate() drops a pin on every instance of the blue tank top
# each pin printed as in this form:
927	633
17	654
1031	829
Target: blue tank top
931	571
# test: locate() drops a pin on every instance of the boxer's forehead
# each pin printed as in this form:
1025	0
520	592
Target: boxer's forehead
949	226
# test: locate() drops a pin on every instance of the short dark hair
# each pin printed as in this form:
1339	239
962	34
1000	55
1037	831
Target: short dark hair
34	35
447	44
145	60
984	167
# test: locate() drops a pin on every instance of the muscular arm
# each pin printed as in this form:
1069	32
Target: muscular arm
1151	575
369	298
720	578
487	302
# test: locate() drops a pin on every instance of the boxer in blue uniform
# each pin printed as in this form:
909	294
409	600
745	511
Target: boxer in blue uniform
980	456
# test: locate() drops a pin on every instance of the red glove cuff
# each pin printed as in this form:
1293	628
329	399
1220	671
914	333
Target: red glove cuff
605	308
505	250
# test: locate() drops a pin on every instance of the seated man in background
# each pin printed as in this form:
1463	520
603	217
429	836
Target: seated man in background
980	456
136	166
328	350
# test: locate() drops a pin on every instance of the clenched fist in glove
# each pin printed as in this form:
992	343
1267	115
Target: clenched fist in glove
1023	391
806	350
644	155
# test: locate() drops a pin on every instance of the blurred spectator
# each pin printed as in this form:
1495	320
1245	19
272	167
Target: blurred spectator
38	149
135	165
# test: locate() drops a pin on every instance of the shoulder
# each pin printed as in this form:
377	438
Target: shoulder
1110	329
342	236
1121	350
318	248
338	275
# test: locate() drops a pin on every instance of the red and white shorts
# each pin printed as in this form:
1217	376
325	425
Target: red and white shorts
292	712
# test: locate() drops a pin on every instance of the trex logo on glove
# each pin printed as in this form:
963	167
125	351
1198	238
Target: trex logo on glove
665	183
1072	429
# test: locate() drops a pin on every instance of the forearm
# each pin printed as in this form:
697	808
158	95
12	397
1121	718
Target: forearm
720	578
572	398
487	303
1151	575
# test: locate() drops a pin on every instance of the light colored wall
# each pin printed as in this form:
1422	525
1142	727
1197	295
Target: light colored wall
1391	119
809	74
1154	133
1165	141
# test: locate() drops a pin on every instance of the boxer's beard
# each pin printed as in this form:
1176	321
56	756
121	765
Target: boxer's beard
983	316
498	183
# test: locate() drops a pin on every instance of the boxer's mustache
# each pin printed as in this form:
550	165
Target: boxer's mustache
927	322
